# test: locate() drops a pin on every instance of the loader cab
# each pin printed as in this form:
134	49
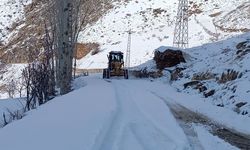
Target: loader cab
115	56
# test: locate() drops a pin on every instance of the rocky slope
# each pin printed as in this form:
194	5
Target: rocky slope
22	37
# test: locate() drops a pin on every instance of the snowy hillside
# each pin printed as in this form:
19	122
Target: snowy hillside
11	12
152	23
208	63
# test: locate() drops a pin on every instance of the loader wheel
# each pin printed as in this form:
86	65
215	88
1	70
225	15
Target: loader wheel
104	74
108	73
126	74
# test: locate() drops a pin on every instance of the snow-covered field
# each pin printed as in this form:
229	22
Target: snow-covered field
125	114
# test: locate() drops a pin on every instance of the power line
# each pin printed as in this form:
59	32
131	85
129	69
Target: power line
127	63
181	26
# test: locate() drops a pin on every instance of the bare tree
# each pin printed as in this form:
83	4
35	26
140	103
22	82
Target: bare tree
11	88
70	17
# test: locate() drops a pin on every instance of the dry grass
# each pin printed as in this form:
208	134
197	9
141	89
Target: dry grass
176	74
144	73
215	14
85	48
229	75
203	76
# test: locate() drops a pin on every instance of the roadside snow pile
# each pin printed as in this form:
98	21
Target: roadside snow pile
209	141
220	72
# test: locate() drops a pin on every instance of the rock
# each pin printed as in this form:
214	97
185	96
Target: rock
239	105
191	84
244	112
210	93
202	88
242	45
220	105
243	48
168	57
177	73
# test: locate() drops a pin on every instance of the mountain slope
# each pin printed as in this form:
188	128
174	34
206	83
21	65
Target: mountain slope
222	67
152	23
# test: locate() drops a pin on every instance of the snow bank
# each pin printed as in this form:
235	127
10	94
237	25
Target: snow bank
222	116
73	121
209	141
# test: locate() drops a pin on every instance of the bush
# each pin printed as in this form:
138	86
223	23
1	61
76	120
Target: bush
229	75
203	76
95	51
144	73
176	74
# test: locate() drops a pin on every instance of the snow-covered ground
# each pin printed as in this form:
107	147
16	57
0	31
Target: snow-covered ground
11	76
125	114
215	59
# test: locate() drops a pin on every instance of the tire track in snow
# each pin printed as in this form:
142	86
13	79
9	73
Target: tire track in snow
129	123
144	128
108	138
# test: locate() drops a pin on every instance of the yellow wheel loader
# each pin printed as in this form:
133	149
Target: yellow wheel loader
115	66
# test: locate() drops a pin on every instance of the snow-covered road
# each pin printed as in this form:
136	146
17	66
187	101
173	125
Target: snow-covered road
112	114
141	122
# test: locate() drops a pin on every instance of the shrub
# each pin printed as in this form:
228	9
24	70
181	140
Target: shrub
203	76
144	73
229	75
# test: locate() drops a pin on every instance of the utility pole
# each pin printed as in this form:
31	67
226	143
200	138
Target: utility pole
127	63
181	26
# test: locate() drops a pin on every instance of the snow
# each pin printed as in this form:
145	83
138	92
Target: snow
132	114
226	117
73	121
84	120
164	48
150	30
216	58
125	114
211	142
10	104
11	11
11	72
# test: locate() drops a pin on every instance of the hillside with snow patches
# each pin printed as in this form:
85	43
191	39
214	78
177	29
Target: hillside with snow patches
11	12
152	24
